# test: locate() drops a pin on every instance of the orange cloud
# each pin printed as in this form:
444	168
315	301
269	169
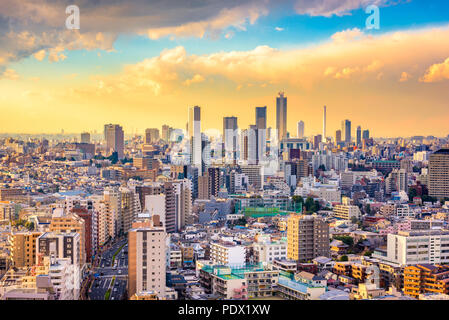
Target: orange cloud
437	72
10	74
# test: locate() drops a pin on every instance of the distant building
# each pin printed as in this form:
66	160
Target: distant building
439	174
307	237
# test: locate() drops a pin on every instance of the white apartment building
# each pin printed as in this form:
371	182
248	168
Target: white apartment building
227	254
403	211
63	277
309	186
266	251
417	247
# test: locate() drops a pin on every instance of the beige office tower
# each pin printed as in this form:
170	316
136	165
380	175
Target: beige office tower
147	258
203	187
111	197
115	139
439	174
23	248
102	229
62	222
307	237
129	208
166	133
183	189
281	116
85	137
151	135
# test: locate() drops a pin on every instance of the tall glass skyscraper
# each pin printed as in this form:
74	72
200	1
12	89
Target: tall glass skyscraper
346	130
281	116
194	127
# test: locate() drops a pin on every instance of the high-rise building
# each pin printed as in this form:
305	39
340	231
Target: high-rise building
63	222
129	208
213	181
307	237
115	141
397	180
439	174
251	144
166	133
194	133
359	136
365	134
346	131
147	258
316	141
230	139
337	136
23	248
261	134
203	187
151	135
300	133
85	137
324	124
281	116
253	172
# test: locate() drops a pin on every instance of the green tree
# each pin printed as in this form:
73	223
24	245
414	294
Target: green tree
344	258
113	157
412	193
298	199
427	198
345	239
368	253
310	203
368	209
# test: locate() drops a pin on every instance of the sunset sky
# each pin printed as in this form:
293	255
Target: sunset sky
141	64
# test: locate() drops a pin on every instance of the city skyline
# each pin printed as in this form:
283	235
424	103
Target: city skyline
142	74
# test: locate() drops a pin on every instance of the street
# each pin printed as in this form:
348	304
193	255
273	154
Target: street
111	274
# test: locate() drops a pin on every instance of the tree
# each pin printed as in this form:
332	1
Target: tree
368	209
310	204
113	157
298	199
344	258
349	241
368	253
412	193
426	198
322	167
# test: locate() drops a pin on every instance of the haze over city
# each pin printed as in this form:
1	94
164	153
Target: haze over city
228	57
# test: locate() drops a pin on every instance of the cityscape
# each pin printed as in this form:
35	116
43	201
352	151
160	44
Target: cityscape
209	170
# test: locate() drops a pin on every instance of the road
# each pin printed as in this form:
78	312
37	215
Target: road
108	271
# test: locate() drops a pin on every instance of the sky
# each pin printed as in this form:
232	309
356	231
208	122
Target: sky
142	64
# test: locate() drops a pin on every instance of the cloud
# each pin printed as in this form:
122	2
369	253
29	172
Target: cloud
279	29
365	59
328	8
196	79
40	55
436	72
55	55
347	35
404	77
10	74
32	28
